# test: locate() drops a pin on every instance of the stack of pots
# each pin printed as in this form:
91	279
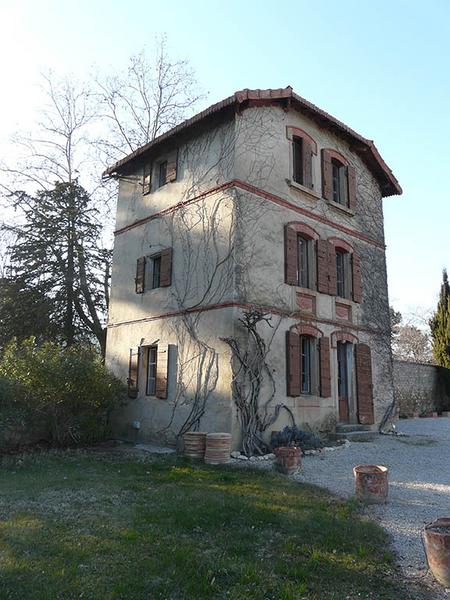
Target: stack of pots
195	444
218	448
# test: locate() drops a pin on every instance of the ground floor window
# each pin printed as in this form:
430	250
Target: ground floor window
151	370
305	364
308	365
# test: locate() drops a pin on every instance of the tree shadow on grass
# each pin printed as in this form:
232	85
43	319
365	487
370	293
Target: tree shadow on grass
192	531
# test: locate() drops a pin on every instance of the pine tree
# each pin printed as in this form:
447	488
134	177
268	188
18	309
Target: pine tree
57	252
440	325
24	312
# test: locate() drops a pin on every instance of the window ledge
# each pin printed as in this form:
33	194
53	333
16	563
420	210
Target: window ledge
303	290
341	208
301	188
346	301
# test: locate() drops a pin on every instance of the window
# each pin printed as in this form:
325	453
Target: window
300	255
339	175
151	371
162	178
304	264
342	356
303	149
340	273
147	183
156	271
297	146
306	344
307	362
343	274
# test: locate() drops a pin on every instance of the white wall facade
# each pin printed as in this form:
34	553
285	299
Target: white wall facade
242	263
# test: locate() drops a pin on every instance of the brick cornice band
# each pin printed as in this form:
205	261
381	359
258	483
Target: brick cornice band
300	318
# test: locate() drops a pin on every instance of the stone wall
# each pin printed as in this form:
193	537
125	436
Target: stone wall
420	388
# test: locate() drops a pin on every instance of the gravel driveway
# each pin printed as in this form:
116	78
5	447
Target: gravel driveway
419	485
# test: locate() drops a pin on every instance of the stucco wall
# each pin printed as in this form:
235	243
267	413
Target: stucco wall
264	283
161	419
194	256
205	161
264	157
253	149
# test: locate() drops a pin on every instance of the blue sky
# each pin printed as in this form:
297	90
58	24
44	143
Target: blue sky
381	67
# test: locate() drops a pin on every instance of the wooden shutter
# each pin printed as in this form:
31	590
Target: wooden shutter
307	164
133	372
291	255
326	267
147	183
325	375
327	176
356	275
364	384
172	166
351	182
332	270
162	368
166	268
293	377
140	275
322	266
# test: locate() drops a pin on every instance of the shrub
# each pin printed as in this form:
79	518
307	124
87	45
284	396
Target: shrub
293	436
68	392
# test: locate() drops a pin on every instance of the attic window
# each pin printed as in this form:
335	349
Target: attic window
162	178
297	146
339	182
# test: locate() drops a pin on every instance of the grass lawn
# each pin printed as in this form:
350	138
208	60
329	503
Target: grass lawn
97	526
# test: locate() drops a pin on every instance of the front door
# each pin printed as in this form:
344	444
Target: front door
345	379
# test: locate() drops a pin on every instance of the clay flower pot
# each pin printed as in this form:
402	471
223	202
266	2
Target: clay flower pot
436	537
288	459
371	483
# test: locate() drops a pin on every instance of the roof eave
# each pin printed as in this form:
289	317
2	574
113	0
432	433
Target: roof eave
389	187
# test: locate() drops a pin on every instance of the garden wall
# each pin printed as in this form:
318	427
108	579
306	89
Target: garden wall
421	388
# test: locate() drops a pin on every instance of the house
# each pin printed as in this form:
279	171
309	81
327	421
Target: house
262	200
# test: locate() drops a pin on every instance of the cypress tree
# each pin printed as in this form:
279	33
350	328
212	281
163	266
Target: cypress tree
440	325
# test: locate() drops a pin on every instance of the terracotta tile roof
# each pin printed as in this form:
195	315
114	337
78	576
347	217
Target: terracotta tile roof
365	148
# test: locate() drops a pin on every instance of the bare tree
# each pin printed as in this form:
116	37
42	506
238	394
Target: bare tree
116	115
151	97
412	344
253	383
59	151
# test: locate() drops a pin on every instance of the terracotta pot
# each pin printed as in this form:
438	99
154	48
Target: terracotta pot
288	459
437	548
371	483
194	444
